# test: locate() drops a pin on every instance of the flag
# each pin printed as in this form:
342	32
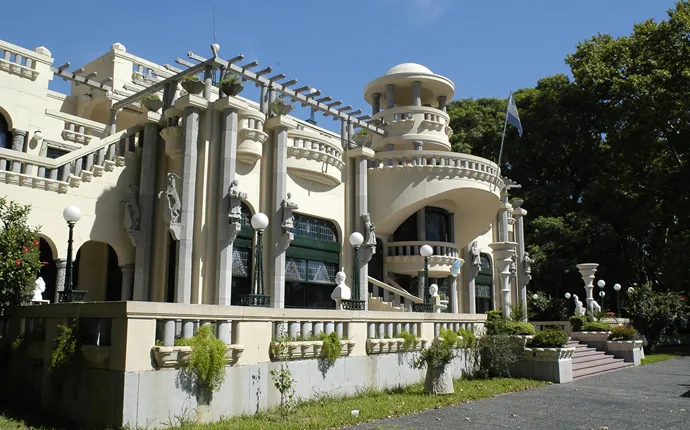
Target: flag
512	115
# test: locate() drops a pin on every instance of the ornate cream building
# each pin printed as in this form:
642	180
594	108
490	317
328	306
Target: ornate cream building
168	189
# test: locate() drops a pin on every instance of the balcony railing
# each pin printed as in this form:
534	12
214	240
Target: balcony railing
412	249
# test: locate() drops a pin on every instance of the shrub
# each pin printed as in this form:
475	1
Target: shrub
494	315
207	359
230	78
20	258
496	356
656	314
331	348
440	353
362	132
153	96
547	308
596	326
551	338
623	333
468	339
192	78
410	341
577	322
516	312
65	345
517	328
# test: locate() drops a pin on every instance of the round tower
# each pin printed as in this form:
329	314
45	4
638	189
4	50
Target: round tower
410	103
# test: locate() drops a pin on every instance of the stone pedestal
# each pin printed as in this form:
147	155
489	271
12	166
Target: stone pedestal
587	271
503	256
61	265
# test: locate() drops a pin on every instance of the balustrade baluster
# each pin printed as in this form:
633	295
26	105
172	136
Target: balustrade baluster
100	157
306	329
371	330
41	172
398	328
318	328
168	332
330	327
66	172
381	330
28	169
89	162
415	329
339	329
3	165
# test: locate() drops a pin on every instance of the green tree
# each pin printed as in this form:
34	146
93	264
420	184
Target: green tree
19	260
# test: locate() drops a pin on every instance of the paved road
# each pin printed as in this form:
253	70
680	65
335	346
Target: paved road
654	397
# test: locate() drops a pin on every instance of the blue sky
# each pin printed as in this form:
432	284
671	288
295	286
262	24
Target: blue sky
486	47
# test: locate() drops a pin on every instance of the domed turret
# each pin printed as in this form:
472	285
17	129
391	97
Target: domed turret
413	99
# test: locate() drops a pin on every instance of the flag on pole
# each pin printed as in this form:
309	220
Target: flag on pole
512	115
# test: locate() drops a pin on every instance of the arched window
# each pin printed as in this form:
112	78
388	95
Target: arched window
311	264
242	258
5	135
483	285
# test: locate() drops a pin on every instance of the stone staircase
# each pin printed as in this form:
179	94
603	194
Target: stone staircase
589	362
378	304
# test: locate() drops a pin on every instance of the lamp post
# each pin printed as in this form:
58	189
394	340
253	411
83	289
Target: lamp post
535	296
567	296
601	284
258	298
617	287
602	294
71	214
356	240
426	251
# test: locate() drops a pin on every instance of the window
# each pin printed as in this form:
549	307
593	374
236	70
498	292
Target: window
5	135
436	225
311	264
55	152
407	231
242	258
483	285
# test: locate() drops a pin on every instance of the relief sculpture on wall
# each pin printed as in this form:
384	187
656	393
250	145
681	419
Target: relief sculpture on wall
173	212
288	223
369	246
132	216
235	214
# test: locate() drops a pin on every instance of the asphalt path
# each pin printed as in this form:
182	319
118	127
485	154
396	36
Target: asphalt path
650	397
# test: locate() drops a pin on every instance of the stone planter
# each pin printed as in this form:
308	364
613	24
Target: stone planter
301	350
193	87
152	105
396	344
519	341
546	364
178	356
281	108
438	380
593	339
231	88
34	349
361	139
629	350
96	356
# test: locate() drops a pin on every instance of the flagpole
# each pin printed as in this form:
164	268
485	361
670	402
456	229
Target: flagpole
503	137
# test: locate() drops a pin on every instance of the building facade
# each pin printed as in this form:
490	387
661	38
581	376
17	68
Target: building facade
168	189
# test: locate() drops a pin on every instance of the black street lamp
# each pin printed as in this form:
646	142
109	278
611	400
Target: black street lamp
257	297
617	287
355	303
71	214
426	251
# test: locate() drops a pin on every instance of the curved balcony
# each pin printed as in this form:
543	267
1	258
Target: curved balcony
314	157
415	123
405	258
406	181
251	137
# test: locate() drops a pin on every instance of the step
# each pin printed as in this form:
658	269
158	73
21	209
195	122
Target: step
581	351
584	374
595	370
594	355
596	362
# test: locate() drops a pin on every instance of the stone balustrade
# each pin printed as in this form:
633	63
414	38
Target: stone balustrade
251	136
401	249
415	123
70	169
314	157
22	64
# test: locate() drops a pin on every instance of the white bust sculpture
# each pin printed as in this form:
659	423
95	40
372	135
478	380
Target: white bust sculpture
434	298
341	291
579	309
39	288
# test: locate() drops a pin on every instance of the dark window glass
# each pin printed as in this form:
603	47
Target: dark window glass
407	232
436	224
55	152
5	135
309	283
314	228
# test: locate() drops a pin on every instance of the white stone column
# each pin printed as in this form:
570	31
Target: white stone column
503	256
523	277
454	308
375	103
228	164
587	271
442	100
147	194
61	265
18	138
183	275
361	207
127	281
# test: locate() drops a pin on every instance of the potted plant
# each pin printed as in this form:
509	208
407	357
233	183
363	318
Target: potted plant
436	358
152	102
624	342
362	137
192	84
231	84
280	106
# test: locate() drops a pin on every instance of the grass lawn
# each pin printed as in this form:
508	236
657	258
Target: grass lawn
372	405
659	356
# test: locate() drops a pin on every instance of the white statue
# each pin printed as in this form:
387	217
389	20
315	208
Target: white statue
595	307
371	232
132	211
513	266
174	205
39	288
236	196
476	258
434	298
527	262
579	309
288	218
341	291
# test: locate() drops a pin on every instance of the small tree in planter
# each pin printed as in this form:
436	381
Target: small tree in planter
280	106
152	102
192	84
231	84
436	359
206	370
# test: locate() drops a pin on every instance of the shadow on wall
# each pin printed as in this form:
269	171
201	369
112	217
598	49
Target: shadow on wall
311	186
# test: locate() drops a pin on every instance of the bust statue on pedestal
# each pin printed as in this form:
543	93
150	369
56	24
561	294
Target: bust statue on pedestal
434	298
39	289
341	291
